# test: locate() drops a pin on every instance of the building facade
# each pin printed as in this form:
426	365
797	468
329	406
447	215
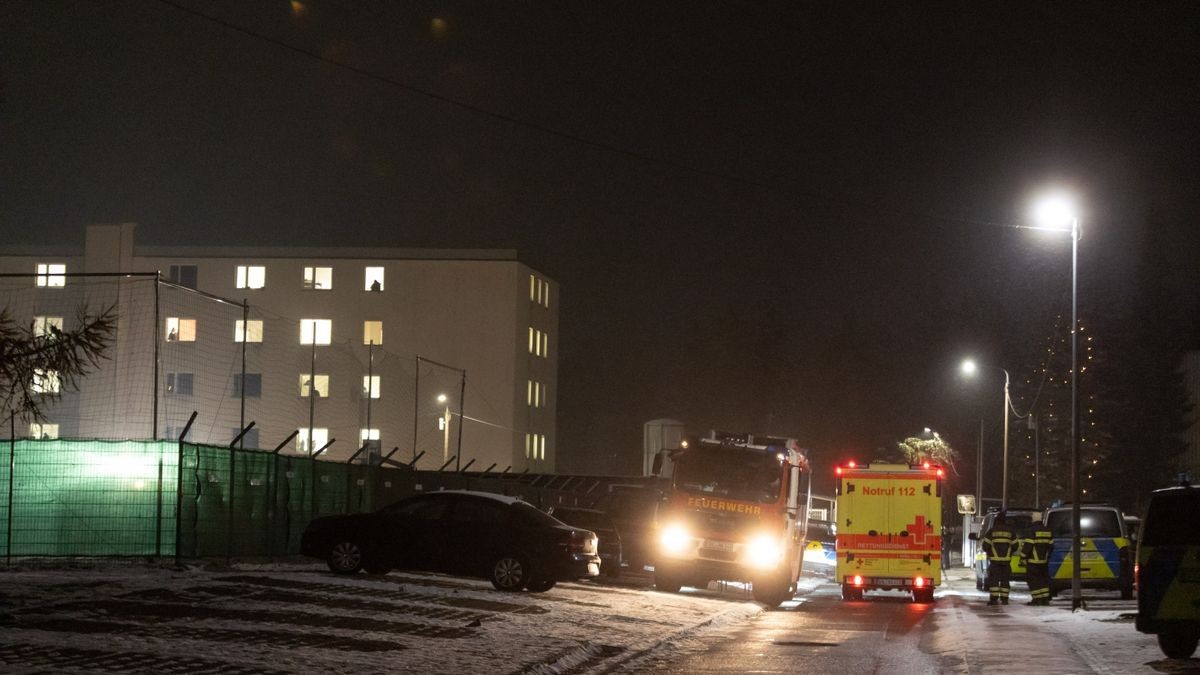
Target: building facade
447	357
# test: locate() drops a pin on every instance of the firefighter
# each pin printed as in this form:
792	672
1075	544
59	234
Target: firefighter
1035	553
999	543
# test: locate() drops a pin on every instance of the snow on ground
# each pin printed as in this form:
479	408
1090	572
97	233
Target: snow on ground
298	618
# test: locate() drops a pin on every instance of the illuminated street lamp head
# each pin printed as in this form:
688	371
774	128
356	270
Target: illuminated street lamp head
1054	212
969	367
441	398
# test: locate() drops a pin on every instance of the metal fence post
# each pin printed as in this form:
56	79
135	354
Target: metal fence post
179	491
12	476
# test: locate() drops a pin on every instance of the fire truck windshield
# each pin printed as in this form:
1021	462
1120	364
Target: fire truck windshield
730	472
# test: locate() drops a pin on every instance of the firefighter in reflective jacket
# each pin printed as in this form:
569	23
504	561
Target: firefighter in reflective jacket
999	543
1035	553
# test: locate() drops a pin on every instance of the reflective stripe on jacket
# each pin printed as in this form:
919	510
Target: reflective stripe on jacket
1036	548
999	543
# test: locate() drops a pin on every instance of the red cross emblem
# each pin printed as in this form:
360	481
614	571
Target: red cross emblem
917	530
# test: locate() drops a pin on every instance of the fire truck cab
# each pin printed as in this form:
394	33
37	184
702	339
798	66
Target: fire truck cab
736	510
889	534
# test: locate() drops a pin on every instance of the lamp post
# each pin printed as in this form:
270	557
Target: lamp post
444	423
1056	214
969	367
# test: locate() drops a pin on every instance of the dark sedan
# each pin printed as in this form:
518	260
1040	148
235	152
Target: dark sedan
479	534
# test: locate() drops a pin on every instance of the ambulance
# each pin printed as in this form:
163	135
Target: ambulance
889	529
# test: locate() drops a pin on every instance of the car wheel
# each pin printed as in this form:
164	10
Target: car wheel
772	593
345	557
851	593
1178	644
540	585
510	573
667	581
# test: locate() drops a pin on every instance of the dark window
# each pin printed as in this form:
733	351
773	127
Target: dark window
480	511
1171	520
1092	523
529	515
421	509
184	275
179	384
253	385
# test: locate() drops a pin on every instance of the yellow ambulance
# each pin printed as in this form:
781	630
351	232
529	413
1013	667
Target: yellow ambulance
889	534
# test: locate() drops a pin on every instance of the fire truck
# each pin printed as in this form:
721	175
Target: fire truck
889	529
736	510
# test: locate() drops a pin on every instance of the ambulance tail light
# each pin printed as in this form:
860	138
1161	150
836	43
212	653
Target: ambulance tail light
919	582
857	580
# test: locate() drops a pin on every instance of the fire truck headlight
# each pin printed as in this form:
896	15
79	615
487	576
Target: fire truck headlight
675	539
763	551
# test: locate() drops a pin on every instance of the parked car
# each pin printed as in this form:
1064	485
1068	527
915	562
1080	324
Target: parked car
1107	560
633	510
1021	520
481	534
600	523
1168	570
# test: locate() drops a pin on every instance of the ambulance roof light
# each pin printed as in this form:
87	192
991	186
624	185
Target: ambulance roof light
851	464
926	465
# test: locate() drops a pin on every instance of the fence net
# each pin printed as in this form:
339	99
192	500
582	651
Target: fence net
164	499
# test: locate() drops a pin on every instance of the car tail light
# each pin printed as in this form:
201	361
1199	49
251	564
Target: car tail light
582	541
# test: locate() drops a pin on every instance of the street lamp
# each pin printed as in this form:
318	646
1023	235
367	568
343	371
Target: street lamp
1056	213
969	368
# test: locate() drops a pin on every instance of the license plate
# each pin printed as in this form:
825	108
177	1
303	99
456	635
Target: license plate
1092	555
715	545
889	582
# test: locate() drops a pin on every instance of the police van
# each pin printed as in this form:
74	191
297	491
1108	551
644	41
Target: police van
1168	570
1107	560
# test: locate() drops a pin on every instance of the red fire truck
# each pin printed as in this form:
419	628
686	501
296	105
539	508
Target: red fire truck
736	510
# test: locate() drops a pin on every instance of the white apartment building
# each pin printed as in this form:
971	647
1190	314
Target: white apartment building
445	355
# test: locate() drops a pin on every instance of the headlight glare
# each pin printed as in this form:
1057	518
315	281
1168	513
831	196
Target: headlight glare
675	539
763	551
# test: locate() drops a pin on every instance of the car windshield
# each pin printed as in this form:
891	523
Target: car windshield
1171	521
1092	523
730	472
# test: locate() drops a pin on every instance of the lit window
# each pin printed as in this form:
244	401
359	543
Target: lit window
320	436
180	384
365	435
529	392
43	430
541	446
370	387
252	330
373	279
181	330
372	332
46	381
531	339
51	274
44	326
528	443
323	328
250	384
318	278
546	296
251	276
532	290
545	345
183	275
322	385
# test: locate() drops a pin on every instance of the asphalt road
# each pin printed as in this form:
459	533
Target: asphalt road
888	633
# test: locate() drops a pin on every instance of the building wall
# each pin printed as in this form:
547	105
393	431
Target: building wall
1191	457
468	310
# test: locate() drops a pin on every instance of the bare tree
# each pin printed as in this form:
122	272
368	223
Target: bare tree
36	366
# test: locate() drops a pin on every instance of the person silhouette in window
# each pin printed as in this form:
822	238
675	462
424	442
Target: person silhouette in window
173	335
376	286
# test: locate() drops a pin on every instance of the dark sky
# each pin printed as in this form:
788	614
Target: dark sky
781	217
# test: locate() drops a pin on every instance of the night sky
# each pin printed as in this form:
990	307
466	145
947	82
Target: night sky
778	217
